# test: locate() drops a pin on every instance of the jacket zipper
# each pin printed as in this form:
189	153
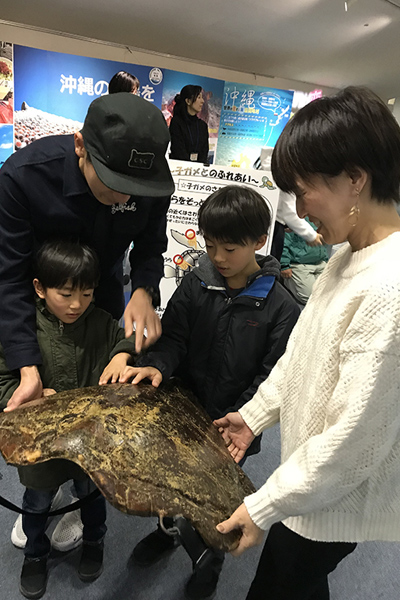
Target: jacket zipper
60	327
229	300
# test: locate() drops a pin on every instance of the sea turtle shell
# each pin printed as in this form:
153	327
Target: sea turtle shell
151	451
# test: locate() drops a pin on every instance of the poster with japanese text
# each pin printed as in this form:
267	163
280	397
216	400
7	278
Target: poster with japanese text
212	90
6	101
252	117
193	184
53	90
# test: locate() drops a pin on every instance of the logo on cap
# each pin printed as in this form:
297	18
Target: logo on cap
141	160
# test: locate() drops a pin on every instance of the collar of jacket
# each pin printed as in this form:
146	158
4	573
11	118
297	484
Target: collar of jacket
46	314
258	284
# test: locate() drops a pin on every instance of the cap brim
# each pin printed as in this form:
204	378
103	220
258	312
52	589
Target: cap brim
155	184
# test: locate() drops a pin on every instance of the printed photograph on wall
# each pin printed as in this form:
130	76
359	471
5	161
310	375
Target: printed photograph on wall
6	143
212	90
6	101
6	83
53	90
252	117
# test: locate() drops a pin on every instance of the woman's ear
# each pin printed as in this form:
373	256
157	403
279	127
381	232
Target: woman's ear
39	289
358	178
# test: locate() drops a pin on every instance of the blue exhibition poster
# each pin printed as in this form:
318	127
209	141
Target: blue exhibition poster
52	90
252	117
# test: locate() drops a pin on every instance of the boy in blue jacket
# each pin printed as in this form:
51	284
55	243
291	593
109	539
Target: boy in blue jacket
224	328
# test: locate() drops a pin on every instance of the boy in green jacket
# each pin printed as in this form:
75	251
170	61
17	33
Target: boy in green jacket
79	344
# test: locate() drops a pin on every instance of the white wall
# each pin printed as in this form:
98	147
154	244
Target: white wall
97	49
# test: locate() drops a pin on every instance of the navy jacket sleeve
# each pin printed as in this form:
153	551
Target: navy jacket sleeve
171	348
9	381
146	260
18	318
118	342
285	319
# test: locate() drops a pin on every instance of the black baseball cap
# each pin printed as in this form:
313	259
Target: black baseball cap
127	138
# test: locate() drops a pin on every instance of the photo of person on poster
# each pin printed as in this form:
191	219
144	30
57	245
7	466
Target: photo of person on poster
6	84
189	133
210	111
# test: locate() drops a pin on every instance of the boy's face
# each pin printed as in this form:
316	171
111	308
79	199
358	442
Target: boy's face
65	303
233	261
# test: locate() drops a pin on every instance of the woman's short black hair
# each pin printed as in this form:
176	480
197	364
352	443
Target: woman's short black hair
188	92
123	82
351	129
60	262
234	214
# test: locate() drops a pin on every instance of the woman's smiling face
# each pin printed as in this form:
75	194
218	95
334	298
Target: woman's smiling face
328	203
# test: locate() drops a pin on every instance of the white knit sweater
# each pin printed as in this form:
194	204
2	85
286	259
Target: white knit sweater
336	393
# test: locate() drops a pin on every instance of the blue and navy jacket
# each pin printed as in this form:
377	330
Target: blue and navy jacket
224	347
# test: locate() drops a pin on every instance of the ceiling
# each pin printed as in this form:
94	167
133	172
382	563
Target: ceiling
314	41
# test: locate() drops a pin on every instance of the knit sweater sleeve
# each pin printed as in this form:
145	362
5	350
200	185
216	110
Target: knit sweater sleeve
358	430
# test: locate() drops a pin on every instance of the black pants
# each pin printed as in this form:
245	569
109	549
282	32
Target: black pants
294	568
207	571
278	240
93	517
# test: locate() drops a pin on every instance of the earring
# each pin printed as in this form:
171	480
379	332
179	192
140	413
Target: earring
355	210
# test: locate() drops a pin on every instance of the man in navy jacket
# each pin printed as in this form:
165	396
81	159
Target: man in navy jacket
107	185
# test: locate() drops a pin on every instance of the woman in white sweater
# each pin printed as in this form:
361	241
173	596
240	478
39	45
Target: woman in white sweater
336	390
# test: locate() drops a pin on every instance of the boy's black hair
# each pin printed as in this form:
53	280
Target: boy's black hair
235	214
351	129
59	262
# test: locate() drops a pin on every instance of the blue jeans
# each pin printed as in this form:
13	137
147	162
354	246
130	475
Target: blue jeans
93	517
